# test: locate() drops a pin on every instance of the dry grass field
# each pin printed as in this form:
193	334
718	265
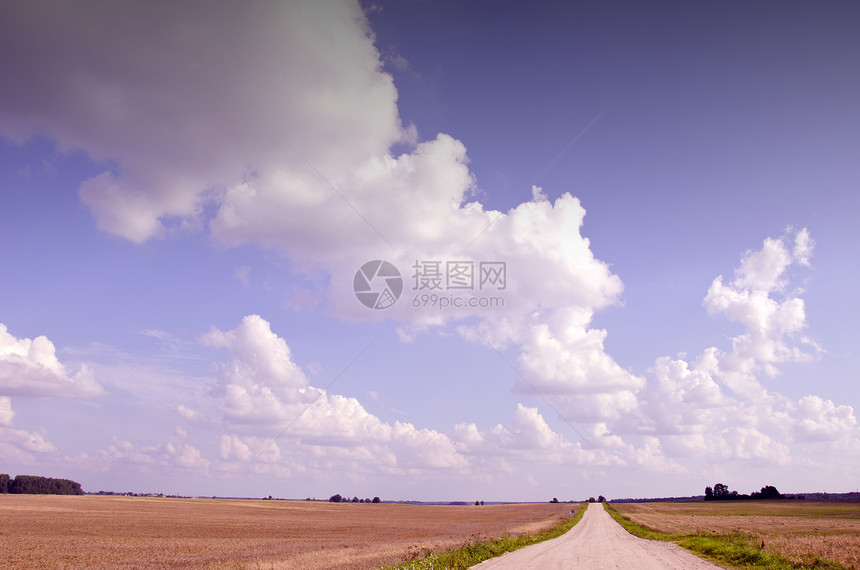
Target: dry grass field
43	531
793	529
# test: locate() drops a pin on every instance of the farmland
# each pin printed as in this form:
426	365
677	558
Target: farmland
41	531
796	530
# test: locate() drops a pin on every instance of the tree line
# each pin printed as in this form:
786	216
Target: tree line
721	492
36	485
338	499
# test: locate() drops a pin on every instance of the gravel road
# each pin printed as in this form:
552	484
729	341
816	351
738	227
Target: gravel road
596	542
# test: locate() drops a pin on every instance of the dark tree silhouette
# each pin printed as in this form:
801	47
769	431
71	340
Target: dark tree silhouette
554	500
767	492
5	481
709	494
335	498
376	500
35	485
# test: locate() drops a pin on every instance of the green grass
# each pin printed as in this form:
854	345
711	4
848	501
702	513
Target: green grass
737	550
470	554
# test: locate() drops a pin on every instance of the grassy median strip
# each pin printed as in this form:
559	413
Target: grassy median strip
471	554
735	550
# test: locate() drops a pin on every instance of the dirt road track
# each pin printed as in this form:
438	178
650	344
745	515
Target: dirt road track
598	542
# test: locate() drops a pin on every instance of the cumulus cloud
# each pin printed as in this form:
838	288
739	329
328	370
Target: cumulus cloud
265	396
716	405
152	458
817	419
29	367
771	324
572	367
272	415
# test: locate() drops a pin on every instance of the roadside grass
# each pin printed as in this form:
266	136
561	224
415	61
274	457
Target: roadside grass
470	554
735	550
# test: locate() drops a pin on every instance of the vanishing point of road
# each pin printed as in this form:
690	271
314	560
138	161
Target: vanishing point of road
598	542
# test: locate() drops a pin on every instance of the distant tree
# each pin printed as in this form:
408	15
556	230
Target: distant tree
477	503
709	494
36	485
554	500
376	500
482	503
5	481
335	498
366	500
721	491
355	499
770	492
601	499
590	499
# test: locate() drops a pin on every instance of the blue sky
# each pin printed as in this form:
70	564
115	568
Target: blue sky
188	190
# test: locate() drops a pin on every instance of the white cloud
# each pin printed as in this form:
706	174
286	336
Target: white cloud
572	367
266	397
29	367
189	414
763	270
716	406
817	419
6	413
184	116
152	458
803	245
18	446
771	325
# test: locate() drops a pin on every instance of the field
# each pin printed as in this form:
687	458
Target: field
43	531
796	530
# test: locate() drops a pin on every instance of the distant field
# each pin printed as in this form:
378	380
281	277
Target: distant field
796	530
43	531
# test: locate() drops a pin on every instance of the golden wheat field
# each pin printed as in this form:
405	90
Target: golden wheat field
793	529
49	531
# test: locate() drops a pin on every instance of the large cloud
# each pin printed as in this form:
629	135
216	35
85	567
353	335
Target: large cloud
181	98
272	124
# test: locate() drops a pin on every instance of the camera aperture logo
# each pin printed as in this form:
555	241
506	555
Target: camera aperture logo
439	285
377	284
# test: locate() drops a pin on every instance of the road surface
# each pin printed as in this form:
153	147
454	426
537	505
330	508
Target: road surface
597	542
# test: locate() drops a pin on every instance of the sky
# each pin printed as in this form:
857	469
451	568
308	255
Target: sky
430	250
